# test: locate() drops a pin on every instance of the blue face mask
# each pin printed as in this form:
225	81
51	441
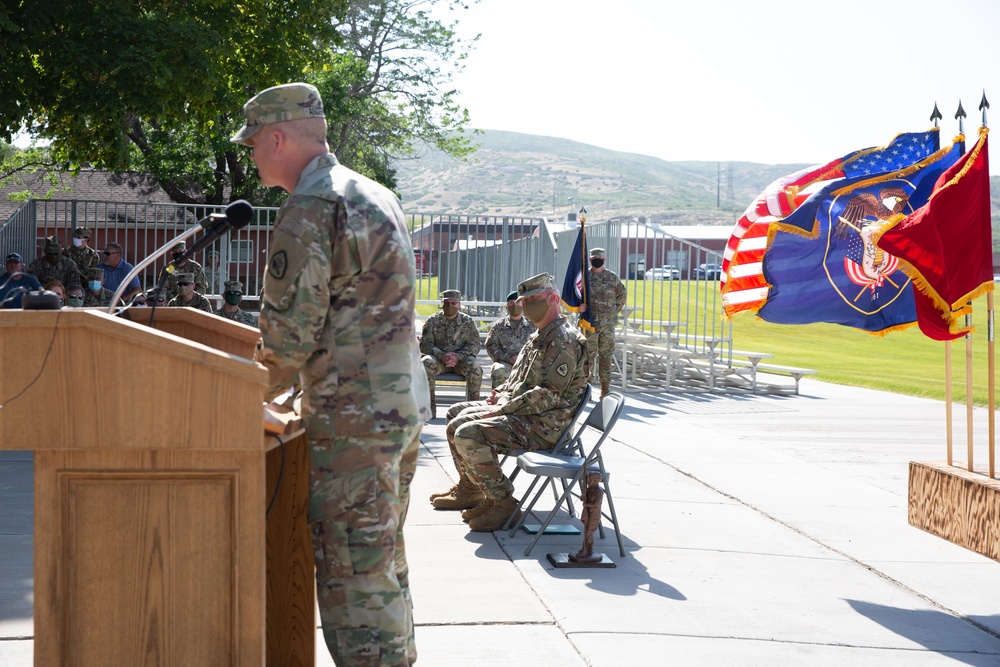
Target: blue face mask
94	285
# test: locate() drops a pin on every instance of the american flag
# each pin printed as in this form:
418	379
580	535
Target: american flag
743	285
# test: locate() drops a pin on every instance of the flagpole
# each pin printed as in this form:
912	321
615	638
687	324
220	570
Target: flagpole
990	349
968	387
935	117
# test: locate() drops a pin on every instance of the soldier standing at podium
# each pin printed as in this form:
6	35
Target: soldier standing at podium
337	316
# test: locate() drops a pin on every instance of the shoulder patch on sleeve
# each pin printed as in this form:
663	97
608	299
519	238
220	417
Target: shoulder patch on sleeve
278	265
562	370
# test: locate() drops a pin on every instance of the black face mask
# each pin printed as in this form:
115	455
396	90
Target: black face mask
176	254
597	263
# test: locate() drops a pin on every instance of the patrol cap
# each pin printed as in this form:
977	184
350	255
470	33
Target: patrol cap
95	273
185	278
597	252
14	257
180	245
52	246
233	286
451	294
157	293
291	101
81	233
512	295
535	285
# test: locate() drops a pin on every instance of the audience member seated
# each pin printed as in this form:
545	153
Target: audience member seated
115	269
157	297
15	283
54	265
139	300
187	297
187	266
505	340
58	289
75	295
81	253
96	294
231	297
450	342
530	411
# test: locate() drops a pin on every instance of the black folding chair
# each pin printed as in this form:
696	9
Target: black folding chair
570	467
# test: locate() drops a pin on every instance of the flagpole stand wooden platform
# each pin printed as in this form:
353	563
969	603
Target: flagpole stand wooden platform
955	504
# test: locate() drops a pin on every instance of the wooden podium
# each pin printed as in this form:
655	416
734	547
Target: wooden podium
152	477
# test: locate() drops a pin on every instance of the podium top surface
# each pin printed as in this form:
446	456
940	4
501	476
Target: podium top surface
83	379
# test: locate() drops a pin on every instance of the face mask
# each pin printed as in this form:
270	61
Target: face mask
94	285
75	301
183	289
176	254
233	299
515	310
597	263
449	310
536	311
77	243
51	259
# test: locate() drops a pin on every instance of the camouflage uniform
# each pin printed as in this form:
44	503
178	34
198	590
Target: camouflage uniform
199	301
533	408
62	269
505	340
84	257
459	335
337	317
101	298
607	298
197	276
241	316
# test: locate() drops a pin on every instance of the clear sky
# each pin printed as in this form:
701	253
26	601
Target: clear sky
771	81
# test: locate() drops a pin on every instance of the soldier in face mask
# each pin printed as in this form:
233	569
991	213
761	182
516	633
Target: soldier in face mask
187	297
187	266
96	294
80	252
232	296
54	265
449	343
607	298
505	340
74	295
529	411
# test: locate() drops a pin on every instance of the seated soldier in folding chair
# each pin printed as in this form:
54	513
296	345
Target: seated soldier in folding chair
529	411
449	343
506	338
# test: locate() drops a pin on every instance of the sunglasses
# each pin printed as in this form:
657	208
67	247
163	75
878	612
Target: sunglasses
159	300
183	284
115	252
139	303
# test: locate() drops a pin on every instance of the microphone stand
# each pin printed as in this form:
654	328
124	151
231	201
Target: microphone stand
149	260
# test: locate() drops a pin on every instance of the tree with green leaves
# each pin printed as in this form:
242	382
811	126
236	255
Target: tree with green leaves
157	86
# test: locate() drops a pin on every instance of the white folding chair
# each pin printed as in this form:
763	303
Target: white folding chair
570	469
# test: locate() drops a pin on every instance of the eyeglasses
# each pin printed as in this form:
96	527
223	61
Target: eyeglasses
113	252
183	284
233	294
76	296
139	303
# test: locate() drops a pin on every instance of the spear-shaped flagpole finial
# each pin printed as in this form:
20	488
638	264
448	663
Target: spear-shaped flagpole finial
961	116
936	115
984	104
583	213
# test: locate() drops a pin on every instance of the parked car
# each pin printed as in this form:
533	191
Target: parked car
708	272
663	273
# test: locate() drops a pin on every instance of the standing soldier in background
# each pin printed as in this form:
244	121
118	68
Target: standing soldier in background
607	298
81	253
55	265
232	295
188	266
337	318
450	342
505	340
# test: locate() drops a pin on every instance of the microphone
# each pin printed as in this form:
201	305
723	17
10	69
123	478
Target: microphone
237	216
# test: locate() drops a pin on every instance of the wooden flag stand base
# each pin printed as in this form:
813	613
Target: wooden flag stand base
561	560
960	506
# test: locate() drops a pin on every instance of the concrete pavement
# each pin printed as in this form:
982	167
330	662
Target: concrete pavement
760	530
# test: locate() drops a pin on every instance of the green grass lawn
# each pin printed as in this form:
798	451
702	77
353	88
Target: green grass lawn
904	362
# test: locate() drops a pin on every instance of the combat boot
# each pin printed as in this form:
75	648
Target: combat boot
496	516
449	492
605	388
478	510
465	495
